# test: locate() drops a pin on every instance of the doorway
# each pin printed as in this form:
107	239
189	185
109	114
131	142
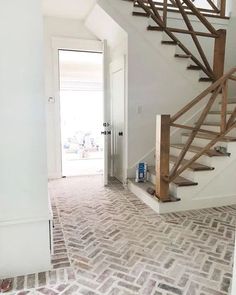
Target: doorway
81	111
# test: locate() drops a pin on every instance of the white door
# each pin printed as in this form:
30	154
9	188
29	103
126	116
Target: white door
117	80
106	124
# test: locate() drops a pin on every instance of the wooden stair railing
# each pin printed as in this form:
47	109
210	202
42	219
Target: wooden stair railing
165	122
160	17
216	10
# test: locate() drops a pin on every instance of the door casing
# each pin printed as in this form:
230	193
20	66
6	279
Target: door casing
74	45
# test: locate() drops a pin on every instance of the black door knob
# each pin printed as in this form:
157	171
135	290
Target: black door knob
120	133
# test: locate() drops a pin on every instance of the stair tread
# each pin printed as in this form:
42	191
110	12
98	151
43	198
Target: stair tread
194	67
196	149
195	166
219	112
182	55
169	42
209	136
230	101
179	181
205	79
212	123
139	13
152	28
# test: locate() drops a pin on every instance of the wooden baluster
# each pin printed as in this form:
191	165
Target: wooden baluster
219	54
224	107
162	156
174	173
213	6
165	7
193	35
223	8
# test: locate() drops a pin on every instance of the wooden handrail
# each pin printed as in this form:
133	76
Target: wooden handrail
226	125
209	90
152	9
174	173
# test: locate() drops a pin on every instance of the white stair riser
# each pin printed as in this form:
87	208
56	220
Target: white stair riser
152	178
215	118
170	51
137	9
201	142
188	174
157	36
205	160
173	187
165	37
195	176
217	129
202	74
230	107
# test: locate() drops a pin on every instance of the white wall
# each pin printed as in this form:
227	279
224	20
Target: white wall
231	40
23	169
66	28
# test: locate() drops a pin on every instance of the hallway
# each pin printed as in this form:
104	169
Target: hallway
114	244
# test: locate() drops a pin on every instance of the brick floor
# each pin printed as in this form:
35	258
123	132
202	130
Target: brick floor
108	242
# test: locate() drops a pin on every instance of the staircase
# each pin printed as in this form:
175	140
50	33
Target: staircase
195	163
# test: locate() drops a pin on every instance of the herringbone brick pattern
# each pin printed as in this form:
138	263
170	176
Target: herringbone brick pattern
117	245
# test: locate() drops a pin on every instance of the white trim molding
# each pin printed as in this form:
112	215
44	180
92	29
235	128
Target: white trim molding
65	44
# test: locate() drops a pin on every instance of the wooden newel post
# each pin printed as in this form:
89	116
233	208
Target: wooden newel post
162	156
219	54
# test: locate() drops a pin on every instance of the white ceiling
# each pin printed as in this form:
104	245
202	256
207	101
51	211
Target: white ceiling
76	9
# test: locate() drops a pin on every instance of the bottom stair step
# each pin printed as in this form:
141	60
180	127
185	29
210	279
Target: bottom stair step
179	181
144	187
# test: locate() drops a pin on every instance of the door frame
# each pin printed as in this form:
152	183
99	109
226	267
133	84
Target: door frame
73	45
115	65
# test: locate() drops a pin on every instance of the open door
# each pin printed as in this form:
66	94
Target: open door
106	125
117	88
